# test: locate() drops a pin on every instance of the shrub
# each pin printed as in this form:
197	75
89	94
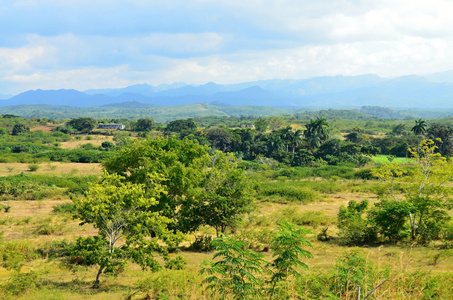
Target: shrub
202	243
64	208
19	283
178	263
33	167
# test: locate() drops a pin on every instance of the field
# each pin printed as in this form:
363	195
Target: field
36	227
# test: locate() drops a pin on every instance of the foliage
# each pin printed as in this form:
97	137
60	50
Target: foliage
20	129
354	228
236	271
82	124
144	124
425	190
199	188
287	252
239	271
225	194
121	212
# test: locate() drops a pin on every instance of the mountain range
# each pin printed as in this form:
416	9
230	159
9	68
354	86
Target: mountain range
318	92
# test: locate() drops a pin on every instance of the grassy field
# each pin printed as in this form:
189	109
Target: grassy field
33	226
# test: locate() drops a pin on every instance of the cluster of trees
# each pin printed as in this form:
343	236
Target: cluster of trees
152	192
414	202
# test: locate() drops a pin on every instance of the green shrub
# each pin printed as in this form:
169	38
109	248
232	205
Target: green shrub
202	243
178	263
67	207
20	283
33	167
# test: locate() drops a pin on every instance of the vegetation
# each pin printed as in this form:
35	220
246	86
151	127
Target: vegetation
164	199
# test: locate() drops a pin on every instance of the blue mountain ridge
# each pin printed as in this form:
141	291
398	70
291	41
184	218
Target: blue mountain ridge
327	91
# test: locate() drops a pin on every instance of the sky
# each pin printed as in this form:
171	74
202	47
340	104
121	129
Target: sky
79	44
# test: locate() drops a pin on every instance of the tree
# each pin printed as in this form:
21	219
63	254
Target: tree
220	138
82	124
261	124
317	132
187	174
295	139
354	136
442	135
145	124
20	128
225	195
181	125
128	228
419	129
424	189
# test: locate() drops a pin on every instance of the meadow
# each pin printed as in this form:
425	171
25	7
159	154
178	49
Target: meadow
36	227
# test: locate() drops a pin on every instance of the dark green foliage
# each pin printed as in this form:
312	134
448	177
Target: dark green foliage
220	138
178	126
391	218
145	124
354	228
108	145
20	129
202	243
82	124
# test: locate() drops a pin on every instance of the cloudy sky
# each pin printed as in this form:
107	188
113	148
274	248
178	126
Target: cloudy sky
52	44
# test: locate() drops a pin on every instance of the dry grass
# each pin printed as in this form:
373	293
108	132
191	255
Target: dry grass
7	169
96	140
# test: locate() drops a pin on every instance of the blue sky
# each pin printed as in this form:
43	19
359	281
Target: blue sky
52	44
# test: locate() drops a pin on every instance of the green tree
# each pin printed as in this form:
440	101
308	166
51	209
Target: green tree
83	124
198	187
425	189
128	228
20	128
220	138
145	124
225	193
317	132
261	124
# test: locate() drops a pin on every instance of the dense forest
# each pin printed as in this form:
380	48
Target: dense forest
332	204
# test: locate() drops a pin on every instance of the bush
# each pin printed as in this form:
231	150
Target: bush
33	167
202	243
178	263
19	283
64	208
354	229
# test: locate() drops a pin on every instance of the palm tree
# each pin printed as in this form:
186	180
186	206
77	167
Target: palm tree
295	139
285	134
419	129
317	131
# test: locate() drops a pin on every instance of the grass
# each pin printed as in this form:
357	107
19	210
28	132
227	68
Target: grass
381	159
7	169
311	202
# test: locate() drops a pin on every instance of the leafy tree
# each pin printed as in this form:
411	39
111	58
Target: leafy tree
220	138
425	190
355	135
181	125
261	124
145	124
419	127
179	164
199	188
128	228
82	124
20	128
225	193
317	132
442	135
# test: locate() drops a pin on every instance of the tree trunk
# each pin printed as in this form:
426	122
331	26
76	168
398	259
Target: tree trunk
96	282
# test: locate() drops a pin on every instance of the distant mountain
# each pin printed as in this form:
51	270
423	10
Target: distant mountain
328	92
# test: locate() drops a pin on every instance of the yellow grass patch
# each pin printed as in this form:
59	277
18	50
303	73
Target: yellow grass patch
7	169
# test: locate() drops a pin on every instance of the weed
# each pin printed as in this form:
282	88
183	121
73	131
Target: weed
33	167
